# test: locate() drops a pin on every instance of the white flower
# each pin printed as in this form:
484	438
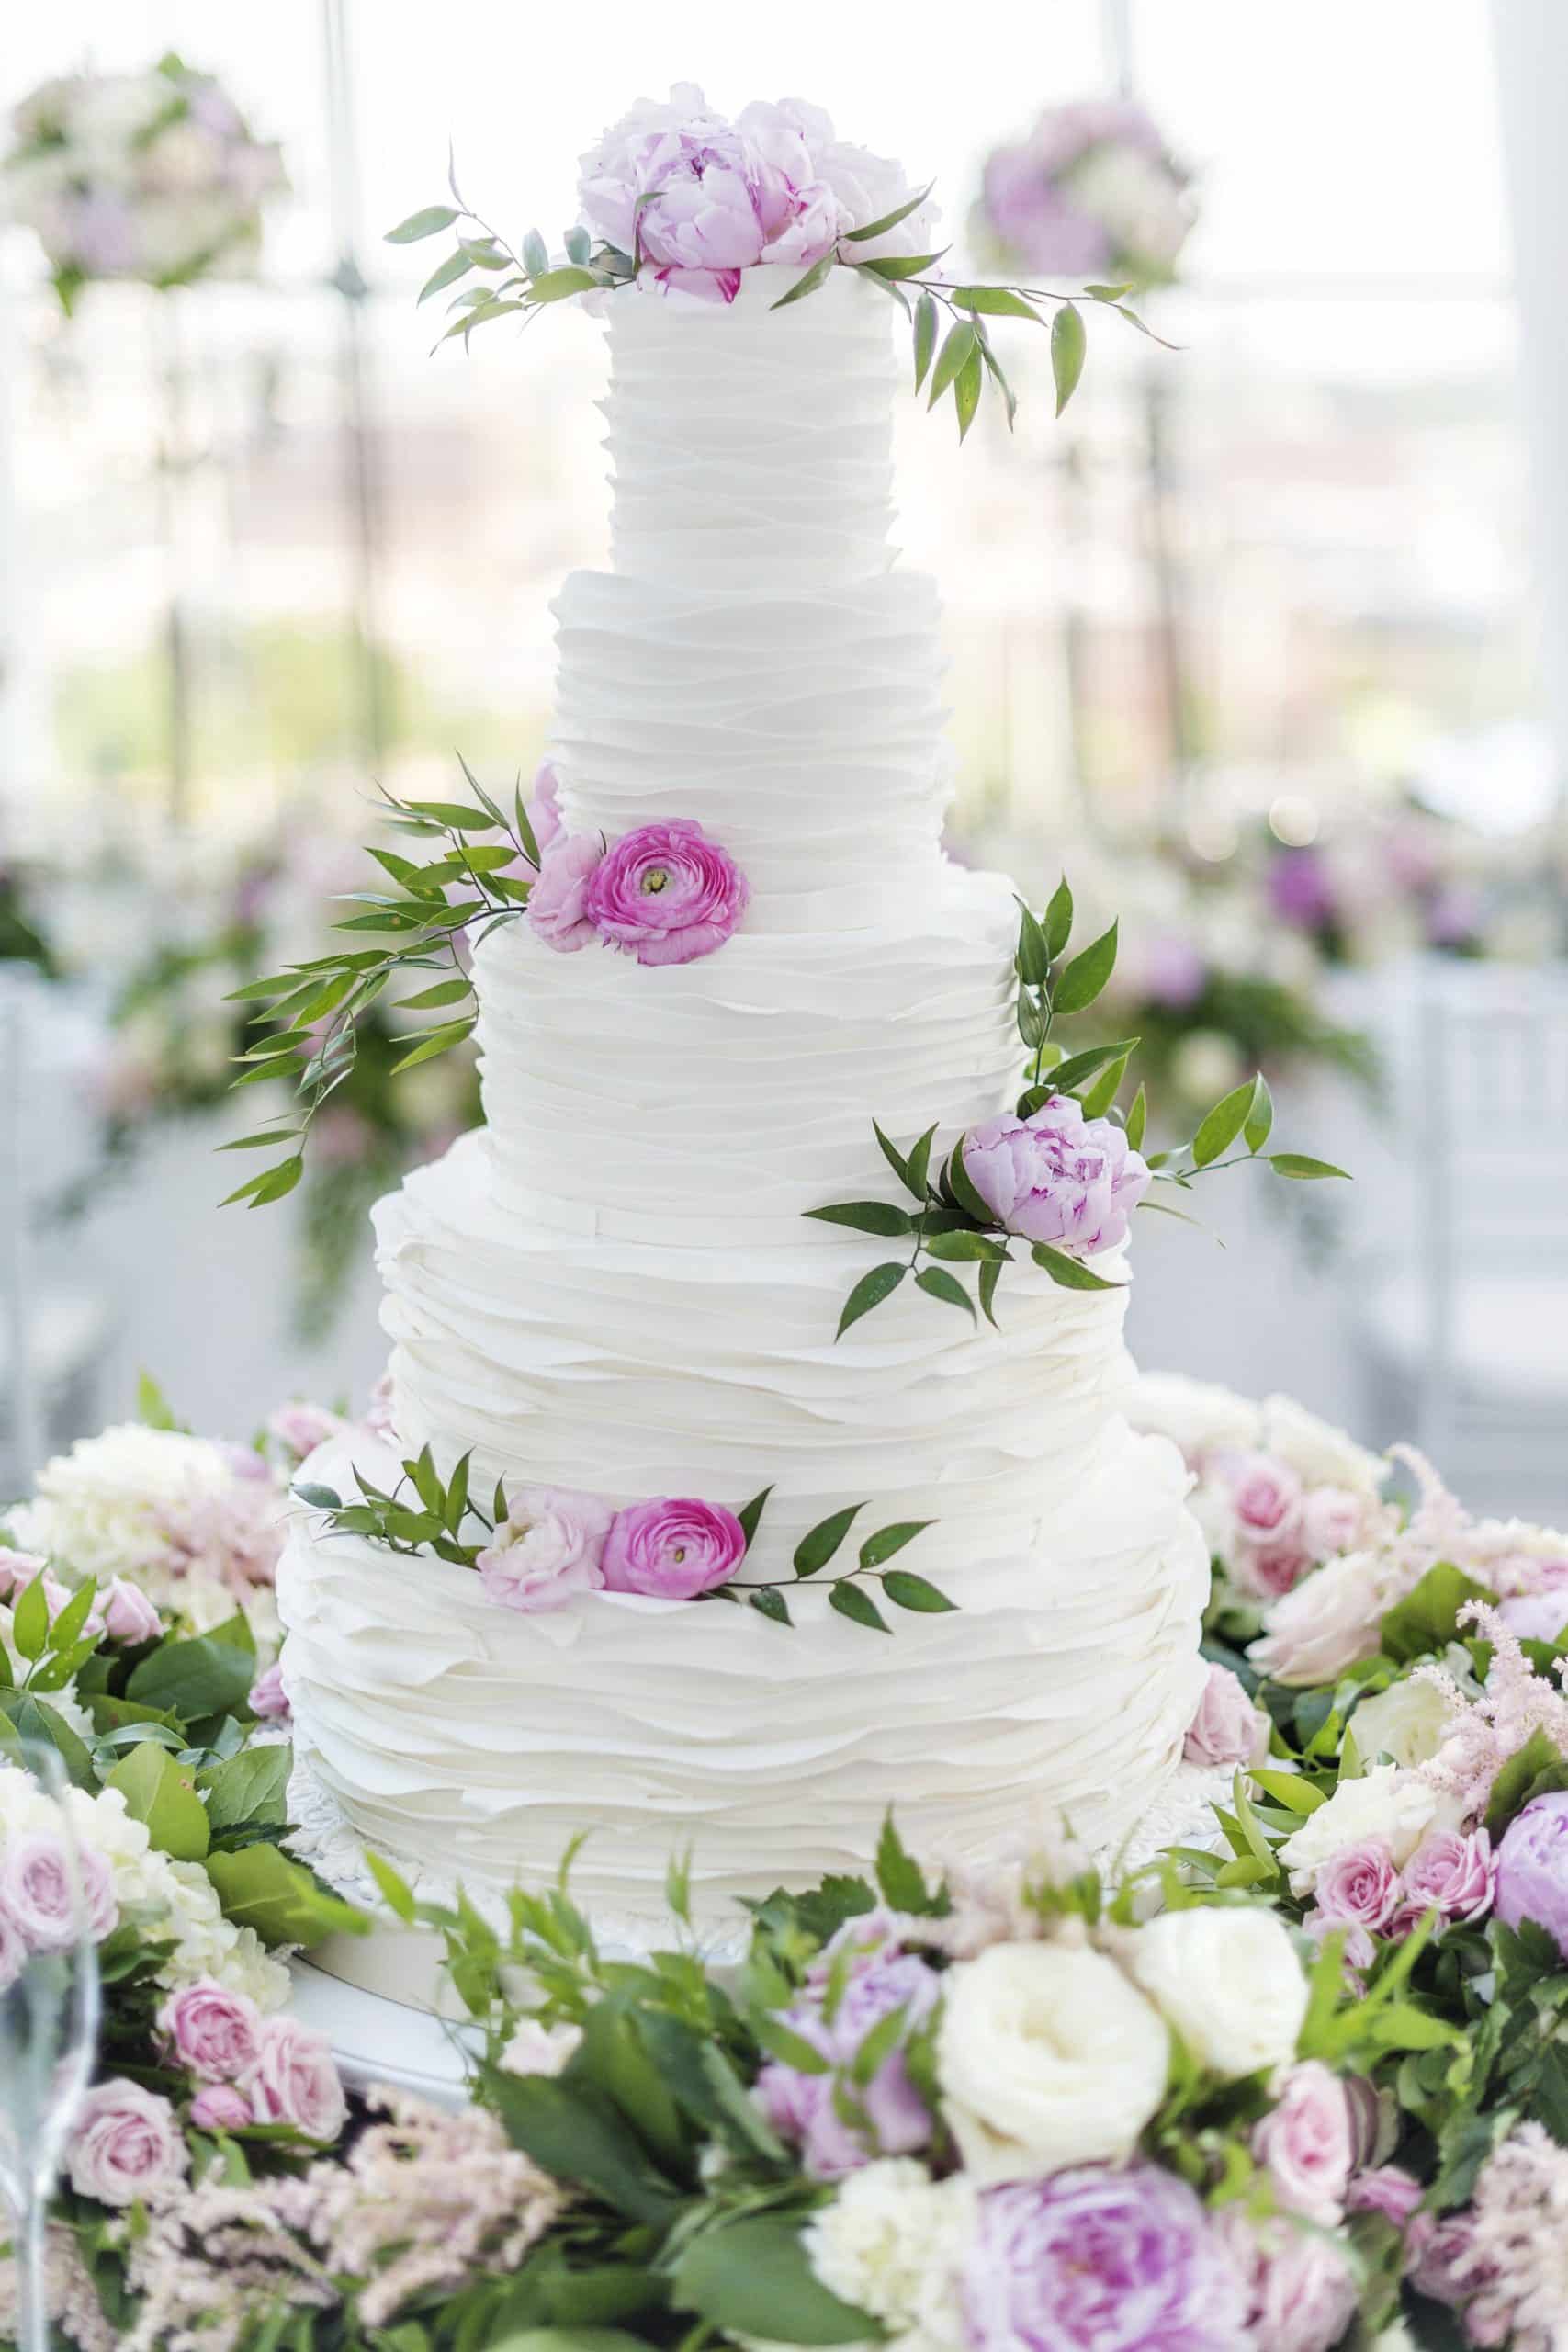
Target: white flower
1321	1455
1386	1803
1047	2056
893	2243
536	2049
1229	1982
1196	1415
1328	1621
1406	1721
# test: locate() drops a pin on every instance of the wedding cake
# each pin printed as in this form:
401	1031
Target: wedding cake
612	1291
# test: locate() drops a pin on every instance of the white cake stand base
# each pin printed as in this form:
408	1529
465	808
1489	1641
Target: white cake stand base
379	2043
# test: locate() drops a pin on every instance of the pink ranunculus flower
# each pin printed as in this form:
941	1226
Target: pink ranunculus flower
126	2145
1056	1176
212	2031
128	1616
302	1427
1358	1888
666	894
544	807
672	1549
267	1697
17	1571
295	2080
1227	1727
1451	1873
1333	1521
548	1548
1387	2189
50	1902
219	2106
1305	2144
558	904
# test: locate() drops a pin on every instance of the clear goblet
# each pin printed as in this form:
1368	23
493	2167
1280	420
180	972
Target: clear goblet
49	2008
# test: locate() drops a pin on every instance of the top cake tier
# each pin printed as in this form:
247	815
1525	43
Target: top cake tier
752	449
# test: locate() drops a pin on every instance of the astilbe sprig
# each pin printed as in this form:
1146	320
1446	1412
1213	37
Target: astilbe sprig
1514	1706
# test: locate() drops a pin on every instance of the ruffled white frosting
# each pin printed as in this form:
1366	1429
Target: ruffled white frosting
615	1288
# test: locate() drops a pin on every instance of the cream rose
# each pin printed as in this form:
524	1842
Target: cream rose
1328	1622
1228	1982
1047	2056
1407	1722
1385	1802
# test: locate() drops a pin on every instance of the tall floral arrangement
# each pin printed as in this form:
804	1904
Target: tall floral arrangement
153	176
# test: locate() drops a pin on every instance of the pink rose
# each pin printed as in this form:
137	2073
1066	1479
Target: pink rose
128	1616
673	1550
1389	2190
1328	1622
126	2145
1266	1495
667	894
1056	1176
214	2034
295	2080
1358	1888
219	2106
301	1427
1333	1519
1305	2143
1227	1727
543	809
1451	1873
48	1903
1269	1568
1302	2292
558	904
267	1698
17	1571
548	1548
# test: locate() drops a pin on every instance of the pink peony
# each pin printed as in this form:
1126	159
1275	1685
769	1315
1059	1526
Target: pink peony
1533	1868
549	1547
666	894
126	2145
301	1427
1227	1727
558	904
544	807
213	2032
672	1549
128	1616
1056	1176
295	2080
1451	1873
50	1902
267	1698
1332	1521
870	1979
1305	2144
219	2106
1358	1888
1536	1616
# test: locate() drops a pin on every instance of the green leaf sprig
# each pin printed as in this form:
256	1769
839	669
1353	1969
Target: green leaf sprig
478	877
949	1224
423	1512
948	318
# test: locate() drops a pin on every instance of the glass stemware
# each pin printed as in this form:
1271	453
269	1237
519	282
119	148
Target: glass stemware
48	2005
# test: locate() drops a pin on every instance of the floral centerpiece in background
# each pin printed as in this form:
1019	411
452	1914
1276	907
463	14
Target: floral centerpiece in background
153	176
1092	192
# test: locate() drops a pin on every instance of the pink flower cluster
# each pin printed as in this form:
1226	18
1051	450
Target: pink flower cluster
554	1544
872	1978
665	893
121	1612
702	198
250	2069
1361	1891
1282	1527
1056	1176
48	1897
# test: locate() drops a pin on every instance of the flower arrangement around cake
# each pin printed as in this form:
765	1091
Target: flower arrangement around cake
152	177
677	197
1297	2090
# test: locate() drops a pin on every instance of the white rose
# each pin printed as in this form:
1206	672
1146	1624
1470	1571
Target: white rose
1328	1622
1406	1721
1321	1455
1229	1982
1047	2056
893	2243
1386	1803
1198	1416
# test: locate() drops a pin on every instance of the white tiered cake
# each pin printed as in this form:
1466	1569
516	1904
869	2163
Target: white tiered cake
613	1288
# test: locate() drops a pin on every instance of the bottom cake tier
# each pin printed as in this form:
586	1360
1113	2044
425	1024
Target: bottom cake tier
466	1741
